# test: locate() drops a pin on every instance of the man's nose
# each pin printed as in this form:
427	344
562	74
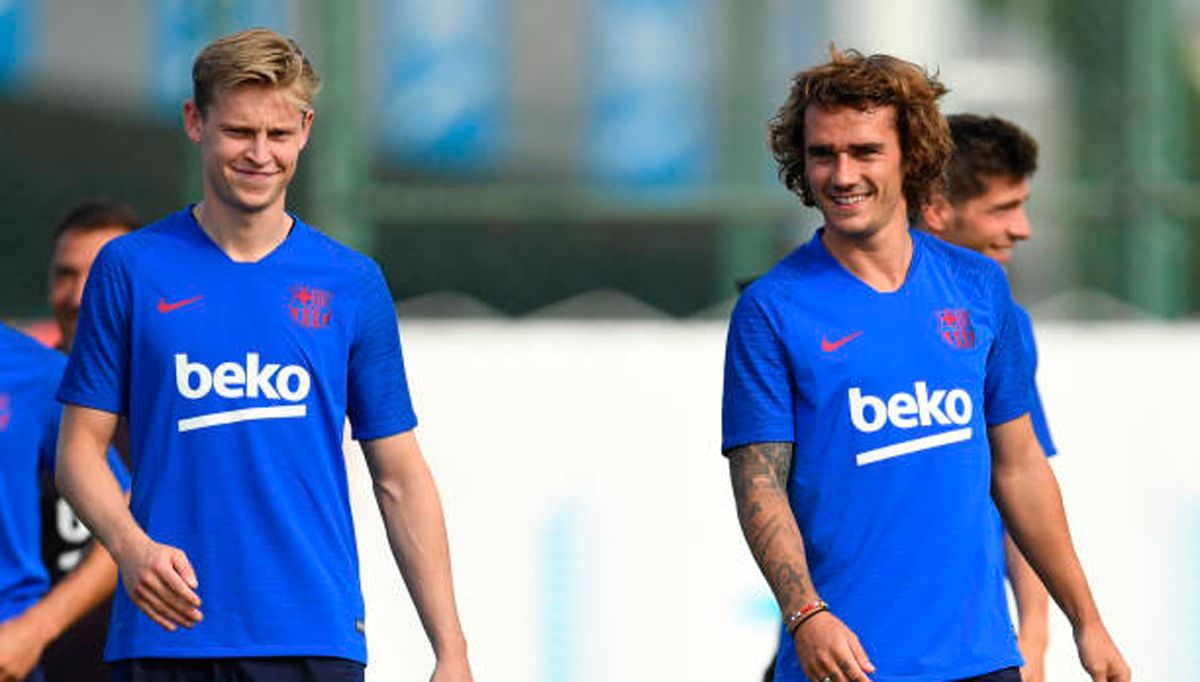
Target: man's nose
845	170
1020	229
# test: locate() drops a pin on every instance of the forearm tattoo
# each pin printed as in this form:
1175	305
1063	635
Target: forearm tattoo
759	473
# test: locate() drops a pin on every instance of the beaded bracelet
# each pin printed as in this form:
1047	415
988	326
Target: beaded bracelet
797	618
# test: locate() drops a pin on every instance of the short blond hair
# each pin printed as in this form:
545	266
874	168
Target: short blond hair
256	56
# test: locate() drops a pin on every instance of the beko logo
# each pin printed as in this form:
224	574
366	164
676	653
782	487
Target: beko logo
251	379
921	408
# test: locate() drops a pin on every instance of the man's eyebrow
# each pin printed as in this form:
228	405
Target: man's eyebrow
1011	203
866	147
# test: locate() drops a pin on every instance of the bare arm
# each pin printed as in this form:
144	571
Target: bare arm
1032	612
759	473
158	578
416	530
23	638
1028	497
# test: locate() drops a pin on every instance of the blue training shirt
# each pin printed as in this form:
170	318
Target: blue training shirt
1036	414
887	398
29	418
237	379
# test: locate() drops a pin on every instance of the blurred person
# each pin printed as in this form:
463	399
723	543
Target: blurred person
32	612
237	339
76	655
982	207
78	237
875	412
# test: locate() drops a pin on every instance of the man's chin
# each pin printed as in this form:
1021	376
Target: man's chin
255	203
1000	256
850	230
67	331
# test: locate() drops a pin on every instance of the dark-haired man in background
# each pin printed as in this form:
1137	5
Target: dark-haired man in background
982	207
76	655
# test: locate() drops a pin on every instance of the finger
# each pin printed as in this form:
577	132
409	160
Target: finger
184	568
852	672
177	583
148	606
828	665
860	654
814	672
167	604
154	601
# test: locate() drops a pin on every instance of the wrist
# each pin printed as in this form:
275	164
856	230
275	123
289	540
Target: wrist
450	649
41	621
122	544
795	619
1033	642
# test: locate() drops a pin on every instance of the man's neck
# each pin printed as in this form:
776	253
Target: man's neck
880	260
244	237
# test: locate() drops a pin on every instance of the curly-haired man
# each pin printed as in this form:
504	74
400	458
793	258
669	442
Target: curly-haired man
876	410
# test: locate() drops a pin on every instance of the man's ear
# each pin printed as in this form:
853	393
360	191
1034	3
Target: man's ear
937	214
192	120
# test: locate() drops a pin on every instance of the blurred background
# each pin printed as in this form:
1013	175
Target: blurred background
563	195
608	157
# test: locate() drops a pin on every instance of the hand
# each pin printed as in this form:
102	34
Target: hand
1099	655
160	581
453	670
21	645
828	650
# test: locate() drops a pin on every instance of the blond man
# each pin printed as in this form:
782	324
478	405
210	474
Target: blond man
238	339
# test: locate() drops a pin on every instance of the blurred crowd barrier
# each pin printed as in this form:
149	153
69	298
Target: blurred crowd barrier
592	525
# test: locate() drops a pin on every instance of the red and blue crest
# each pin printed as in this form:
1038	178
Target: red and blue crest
309	307
955	327
5	410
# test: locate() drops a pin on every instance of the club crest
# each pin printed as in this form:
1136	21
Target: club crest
309	307
955	328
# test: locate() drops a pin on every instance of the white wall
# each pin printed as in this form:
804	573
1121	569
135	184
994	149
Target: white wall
592	526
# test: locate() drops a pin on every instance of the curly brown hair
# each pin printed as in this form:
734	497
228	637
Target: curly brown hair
865	82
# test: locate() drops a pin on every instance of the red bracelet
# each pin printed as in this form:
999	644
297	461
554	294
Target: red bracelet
796	618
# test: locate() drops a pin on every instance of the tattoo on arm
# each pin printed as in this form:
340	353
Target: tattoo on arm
759	472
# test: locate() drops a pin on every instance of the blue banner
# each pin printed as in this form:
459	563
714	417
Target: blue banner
651	119
443	81
16	40
183	27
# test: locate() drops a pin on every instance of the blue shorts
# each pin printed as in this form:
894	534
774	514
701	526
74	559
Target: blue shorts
268	669
1006	675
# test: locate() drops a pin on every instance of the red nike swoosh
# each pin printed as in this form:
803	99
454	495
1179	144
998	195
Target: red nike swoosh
164	307
830	346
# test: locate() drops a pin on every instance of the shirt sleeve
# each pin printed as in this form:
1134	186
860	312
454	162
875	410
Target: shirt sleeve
1007	383
1037	414
378	400
47	455
97	374
52	417
757	402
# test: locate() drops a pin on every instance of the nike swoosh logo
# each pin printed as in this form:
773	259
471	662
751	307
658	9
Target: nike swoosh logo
830	346
164	307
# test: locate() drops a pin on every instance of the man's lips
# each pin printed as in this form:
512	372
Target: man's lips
848	202
255	175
